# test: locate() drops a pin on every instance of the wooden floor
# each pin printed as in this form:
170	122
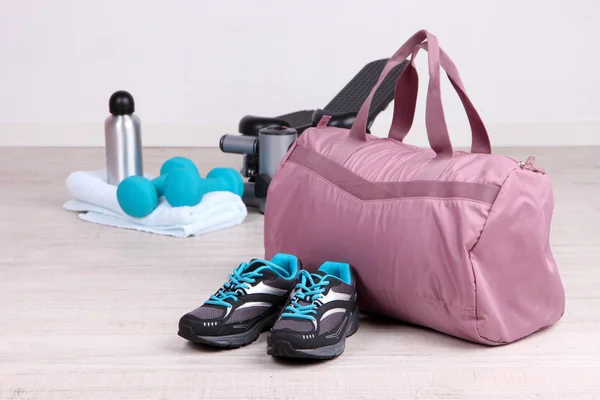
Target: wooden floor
90	312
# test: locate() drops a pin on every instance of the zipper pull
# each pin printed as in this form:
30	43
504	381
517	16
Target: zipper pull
528	165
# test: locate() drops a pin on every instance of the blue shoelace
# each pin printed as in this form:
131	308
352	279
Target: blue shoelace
309	289
239	279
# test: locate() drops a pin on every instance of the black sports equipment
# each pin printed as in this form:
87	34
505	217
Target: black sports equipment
263	149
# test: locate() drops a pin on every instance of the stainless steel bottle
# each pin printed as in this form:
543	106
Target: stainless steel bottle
123	138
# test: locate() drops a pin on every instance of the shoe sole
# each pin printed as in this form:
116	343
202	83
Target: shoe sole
234	341
284	349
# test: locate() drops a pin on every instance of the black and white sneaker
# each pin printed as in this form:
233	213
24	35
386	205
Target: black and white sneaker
320	314
247	304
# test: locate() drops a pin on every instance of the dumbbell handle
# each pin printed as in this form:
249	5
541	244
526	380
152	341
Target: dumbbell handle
213	185
183	188
159	184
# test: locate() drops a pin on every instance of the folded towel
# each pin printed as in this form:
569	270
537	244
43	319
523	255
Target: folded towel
98	202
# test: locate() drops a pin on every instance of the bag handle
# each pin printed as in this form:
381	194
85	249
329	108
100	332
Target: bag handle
406	92
437	131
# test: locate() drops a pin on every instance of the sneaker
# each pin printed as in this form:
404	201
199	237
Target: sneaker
320	314
247	304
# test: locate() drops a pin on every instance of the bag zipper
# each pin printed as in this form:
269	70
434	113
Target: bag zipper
529	165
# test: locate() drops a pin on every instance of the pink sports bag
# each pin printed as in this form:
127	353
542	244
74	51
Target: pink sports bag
454	241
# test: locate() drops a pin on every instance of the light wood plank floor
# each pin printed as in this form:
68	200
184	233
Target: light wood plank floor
90	312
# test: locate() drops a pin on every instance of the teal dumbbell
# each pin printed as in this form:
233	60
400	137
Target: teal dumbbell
184	188
138	196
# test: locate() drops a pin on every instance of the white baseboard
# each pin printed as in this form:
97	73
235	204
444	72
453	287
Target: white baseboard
207	135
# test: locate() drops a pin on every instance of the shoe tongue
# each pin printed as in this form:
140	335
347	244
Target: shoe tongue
255	264
317	276
330	278
321	274
303	302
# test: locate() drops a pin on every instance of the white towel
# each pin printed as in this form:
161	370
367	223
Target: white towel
97	200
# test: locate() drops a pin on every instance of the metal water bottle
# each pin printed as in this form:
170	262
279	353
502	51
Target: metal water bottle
123	138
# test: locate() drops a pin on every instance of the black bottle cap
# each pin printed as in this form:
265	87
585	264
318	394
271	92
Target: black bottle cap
121	103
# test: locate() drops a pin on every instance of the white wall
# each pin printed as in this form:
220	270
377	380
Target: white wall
195	67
